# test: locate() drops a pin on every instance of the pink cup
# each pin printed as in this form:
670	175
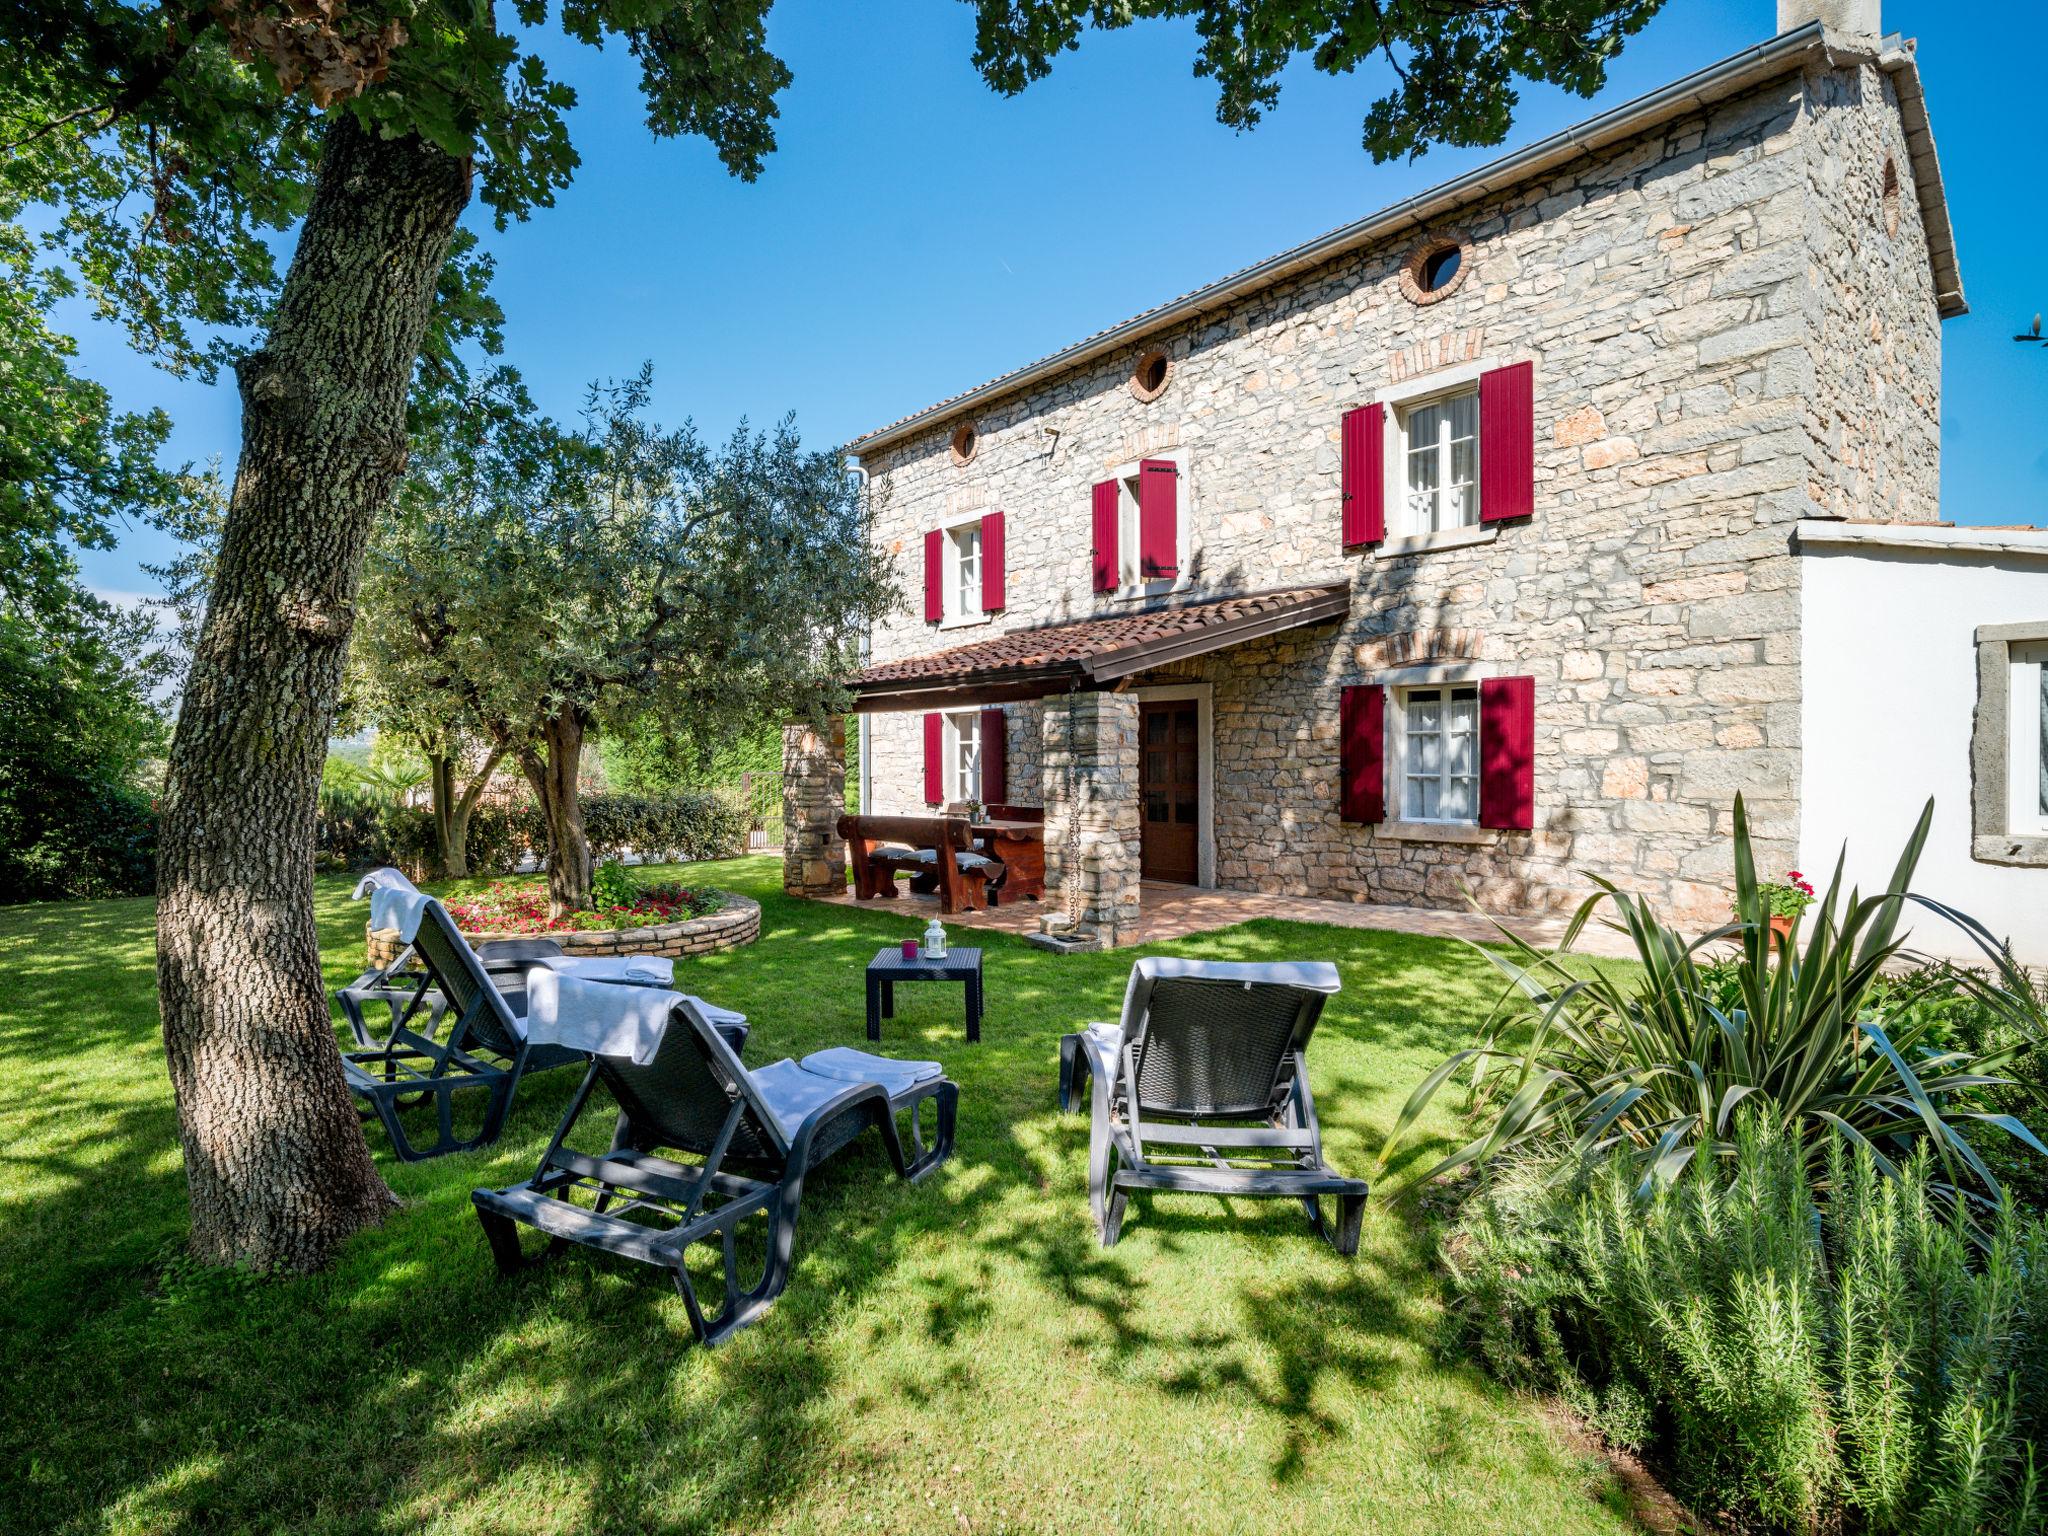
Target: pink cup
910	949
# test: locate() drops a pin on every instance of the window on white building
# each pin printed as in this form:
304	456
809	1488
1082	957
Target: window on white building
963	755
2026	771
1438	752
1440	463
963	583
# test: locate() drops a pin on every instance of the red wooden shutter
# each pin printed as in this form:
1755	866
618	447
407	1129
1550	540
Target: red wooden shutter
1105	535
934	577
994	758
1158	519
1507	443
991	561
1362	737
1507	753
1364	440
934	759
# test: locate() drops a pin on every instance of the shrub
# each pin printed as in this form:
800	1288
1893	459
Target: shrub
612	885
689	824
1648	1068
358	831
1867	1361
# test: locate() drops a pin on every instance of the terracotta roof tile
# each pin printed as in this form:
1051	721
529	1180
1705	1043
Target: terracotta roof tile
1074	645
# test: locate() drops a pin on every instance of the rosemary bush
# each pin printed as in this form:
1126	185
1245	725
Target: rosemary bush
1868	1362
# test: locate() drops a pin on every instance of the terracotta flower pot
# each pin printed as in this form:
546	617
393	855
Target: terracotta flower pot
1782	924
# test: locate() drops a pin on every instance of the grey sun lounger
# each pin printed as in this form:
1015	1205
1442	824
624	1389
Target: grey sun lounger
754	1135
1202	1088
405	989
457	1027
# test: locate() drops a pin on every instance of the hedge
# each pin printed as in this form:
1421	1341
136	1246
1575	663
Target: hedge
357	833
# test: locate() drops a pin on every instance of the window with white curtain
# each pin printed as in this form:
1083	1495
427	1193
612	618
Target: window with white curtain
1440	463
2026	774
964	590
1439	753
963	758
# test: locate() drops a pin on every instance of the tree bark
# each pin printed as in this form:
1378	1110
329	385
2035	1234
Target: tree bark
448	844
553	776
453	807
275	1162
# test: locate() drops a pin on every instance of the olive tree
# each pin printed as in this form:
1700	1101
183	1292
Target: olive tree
544	586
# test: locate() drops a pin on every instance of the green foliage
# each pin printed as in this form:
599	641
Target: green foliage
174	147
356	831
1864	1358
77	725
1647	1068
643	759
686	590
1456	64
1787	897
612	885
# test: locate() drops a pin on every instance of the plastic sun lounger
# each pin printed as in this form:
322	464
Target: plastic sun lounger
754	1135
1202	1088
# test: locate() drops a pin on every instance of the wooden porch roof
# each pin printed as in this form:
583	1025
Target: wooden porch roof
1088	653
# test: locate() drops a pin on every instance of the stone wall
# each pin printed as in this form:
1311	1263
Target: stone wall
737	922
1090	785
813	800
1680	299
1874	411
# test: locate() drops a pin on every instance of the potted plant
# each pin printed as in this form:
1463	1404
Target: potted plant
1783	900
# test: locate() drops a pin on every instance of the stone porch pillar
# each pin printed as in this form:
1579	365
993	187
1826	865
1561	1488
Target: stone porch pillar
1096	736
813	800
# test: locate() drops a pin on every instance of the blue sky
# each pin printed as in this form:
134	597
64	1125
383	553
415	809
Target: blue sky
915	233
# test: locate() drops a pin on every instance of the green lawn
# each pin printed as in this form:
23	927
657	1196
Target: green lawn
956	1356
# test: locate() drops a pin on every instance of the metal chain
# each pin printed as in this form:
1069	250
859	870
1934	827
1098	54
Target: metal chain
1070	880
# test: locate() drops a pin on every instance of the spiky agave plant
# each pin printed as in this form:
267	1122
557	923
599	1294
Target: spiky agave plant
1649	1067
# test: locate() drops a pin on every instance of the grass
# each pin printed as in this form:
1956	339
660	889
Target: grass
957	1356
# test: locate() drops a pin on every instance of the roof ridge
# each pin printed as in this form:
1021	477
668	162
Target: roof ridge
1715	82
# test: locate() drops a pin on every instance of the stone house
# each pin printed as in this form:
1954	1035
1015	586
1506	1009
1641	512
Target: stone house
1453	549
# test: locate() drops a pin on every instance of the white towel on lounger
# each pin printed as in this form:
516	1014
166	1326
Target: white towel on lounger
632	970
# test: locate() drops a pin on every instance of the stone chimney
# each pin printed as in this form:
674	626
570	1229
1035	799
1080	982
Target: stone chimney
1849	18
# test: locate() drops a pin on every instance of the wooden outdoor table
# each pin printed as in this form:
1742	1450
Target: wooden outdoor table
1019	846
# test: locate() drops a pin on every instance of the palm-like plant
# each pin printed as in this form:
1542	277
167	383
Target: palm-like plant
1651	1067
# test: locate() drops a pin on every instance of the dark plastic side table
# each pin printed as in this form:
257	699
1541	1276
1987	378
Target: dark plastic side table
889	967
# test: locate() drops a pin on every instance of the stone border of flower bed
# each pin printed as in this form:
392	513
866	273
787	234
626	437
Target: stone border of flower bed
735	923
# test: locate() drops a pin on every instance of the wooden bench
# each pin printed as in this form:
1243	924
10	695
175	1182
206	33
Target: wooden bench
937	852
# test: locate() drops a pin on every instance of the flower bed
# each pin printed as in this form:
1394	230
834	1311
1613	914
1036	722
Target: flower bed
521	906
651	931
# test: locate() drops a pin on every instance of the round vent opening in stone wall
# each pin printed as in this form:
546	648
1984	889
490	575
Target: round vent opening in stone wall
1149	376
966	438
1889	201
1436	269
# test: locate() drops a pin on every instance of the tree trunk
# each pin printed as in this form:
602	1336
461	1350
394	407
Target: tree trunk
453	808
275	1161
553	777
450	835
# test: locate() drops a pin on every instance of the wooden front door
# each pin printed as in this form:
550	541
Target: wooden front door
1169	790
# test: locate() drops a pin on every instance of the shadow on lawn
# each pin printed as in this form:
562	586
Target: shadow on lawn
412	1384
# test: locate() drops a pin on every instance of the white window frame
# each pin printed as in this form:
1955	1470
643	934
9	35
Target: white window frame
963	755
1413	521
961	608
1128	586
1397	751
2025	815
1400	401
